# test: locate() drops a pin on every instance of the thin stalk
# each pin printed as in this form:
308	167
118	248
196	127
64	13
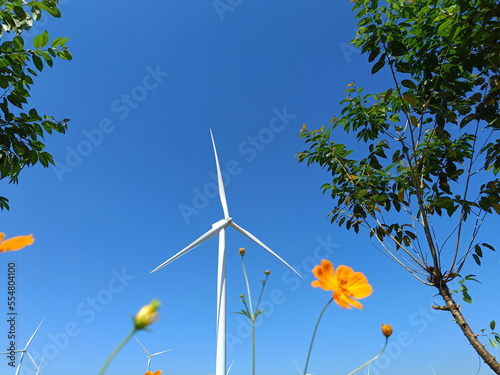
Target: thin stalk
248	286
252	316
314	334
261	292
117	349
253	346
371	360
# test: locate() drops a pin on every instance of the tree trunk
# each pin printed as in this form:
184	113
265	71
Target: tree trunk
454	309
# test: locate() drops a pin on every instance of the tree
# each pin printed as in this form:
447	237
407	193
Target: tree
428	151
21	130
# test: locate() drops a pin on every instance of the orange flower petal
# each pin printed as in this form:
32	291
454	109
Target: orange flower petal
361	291
16	243
325	272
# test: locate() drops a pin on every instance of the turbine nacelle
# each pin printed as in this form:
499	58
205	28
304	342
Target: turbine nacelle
222	223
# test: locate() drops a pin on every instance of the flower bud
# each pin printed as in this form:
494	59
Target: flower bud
267	272
242	251
147	315
386	330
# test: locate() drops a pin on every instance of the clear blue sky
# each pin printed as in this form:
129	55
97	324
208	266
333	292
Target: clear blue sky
134	186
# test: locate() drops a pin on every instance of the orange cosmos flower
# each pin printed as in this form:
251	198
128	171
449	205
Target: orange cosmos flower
15	243
345	284
155	373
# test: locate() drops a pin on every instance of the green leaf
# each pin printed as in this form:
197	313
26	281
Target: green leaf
38	62
46	6
19	11
488	246
493	343
48	59
37	42
406	240
37	14
408	83
4	203
37	145
414	121
57	42
445	28
471	278
492	325
379	65
478	250
387	94
467	298
496	207
410	98
397	48
45	38
476	258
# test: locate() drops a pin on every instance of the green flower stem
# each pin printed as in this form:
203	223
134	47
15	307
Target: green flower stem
117	349
314	334
252	317
261	292
371	360
253	346
248	286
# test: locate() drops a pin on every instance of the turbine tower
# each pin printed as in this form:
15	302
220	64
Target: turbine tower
220	228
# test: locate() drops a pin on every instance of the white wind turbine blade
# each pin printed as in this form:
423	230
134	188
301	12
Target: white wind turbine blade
152	355
222	193
26	348
34	363
149	355
142	346
216	228
258	242
39	367
298	368
229	369
33	335
15	351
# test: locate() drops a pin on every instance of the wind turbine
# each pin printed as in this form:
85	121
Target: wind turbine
25	350
150	355
220	229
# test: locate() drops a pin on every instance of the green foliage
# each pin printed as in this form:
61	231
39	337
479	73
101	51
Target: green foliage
21	129
427	145
494	338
